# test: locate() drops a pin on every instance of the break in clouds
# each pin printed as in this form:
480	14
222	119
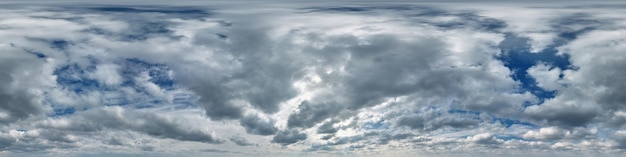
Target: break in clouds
312	79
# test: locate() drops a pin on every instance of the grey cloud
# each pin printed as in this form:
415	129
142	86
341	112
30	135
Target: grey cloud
562	115
387	67
255	125
364	86
414	122
441	59
144	21
424	15
434	120
319	147
241	141
396	62
166	128
310	114
6	141
58	136
165	10
327	128
257	74
288	137
216	151
619	137
214	101
349	139
19	72
385	139
115	141
19	105
326	137
118	119
590	92
604	75
370	138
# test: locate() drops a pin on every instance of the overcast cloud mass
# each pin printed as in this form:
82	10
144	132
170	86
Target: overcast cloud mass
195	78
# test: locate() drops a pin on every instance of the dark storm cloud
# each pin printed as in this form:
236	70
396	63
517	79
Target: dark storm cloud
288	137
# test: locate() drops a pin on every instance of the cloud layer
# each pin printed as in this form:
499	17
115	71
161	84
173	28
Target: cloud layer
308	80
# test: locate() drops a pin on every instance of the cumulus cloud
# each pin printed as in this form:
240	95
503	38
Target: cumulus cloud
313	78
550	133
22	82
485	139
257	125
289	137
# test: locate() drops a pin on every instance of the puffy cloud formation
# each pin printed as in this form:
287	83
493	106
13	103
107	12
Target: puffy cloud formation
356	79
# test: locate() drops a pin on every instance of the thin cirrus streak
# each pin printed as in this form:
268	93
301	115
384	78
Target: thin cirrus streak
312	79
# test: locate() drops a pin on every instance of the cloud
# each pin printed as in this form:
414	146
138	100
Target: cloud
434	120
300	79
310	114
550	133
22	79
241	141
256	125
484	139
327	128
119	119
107	74
288	137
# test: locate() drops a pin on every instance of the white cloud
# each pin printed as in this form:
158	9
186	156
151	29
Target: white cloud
335	80
549	133
107	74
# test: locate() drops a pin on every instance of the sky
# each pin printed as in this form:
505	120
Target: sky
316	79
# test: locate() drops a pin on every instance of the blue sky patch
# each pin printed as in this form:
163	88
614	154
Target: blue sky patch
73	77
375	125
459	111
64	111
158	73
509	122
516	56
